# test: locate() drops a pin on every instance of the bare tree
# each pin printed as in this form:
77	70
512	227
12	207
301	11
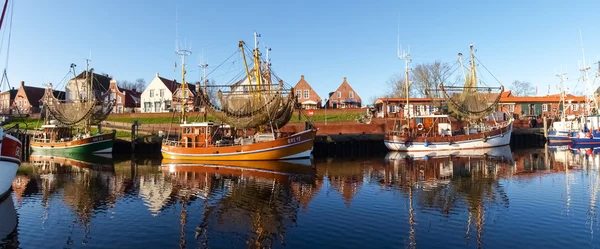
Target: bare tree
522	88
427	78
138	85
397	87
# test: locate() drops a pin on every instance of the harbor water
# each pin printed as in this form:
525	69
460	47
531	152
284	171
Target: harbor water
499	198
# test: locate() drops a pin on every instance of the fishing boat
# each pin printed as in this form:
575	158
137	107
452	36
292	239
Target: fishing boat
462	128
10	146
249	114
589	135
68	123
560	132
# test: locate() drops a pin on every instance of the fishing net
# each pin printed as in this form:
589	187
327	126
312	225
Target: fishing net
471	102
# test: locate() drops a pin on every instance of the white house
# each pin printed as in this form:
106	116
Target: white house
158	96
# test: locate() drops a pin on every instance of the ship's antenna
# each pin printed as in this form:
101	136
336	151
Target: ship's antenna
405	56
183	53
256	36
203	65
584	70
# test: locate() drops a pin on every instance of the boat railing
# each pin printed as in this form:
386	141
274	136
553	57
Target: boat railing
177	143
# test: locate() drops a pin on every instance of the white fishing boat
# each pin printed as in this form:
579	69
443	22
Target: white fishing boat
462	128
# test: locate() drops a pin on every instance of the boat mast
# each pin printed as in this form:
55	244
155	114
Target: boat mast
403	55
183	53
257	64
88	91
561	76
204	65
584	69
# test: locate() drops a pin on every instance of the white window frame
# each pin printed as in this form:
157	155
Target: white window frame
306	94
511	108
161	93
299	93
576	107
151	93
119	99
339	94
544	107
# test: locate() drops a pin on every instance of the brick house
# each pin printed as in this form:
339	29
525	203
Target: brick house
125	100
344	97
6	101
519	107
27	100
541	106
306	95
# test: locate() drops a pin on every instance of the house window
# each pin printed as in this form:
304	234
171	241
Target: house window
306	94
119	99
151	93
339	95
162	92
511	108
545	107
351	95
576	107
147	106
298	93
120	109
167	104
157	107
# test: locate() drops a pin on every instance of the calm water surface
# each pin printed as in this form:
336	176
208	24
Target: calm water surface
521	199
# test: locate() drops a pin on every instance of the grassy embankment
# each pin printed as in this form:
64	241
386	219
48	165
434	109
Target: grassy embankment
34	123
295	118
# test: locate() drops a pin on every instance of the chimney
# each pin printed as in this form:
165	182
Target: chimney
133	89
22	83
157	74
344	79
301	77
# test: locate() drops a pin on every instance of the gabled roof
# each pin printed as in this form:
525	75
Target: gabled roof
345	86
34	94
172	85
303	85
12	92
101	82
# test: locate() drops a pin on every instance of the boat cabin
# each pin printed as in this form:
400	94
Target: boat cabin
55	133
205	134
426	125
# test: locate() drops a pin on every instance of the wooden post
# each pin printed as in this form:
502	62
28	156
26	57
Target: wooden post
546	128
133	136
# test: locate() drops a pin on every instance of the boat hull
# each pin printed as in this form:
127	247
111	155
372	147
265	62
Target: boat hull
299	145
10	159
559	139
102	143
8	224
585	141
494	138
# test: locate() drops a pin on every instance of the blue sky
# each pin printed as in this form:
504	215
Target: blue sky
323	40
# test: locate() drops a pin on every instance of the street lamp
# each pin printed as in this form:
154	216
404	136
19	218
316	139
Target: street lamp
326	104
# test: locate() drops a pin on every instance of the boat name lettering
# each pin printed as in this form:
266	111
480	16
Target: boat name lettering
293	140
18	152
97	139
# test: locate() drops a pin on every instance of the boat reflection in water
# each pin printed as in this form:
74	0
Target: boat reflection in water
466	199
8	223
256	199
